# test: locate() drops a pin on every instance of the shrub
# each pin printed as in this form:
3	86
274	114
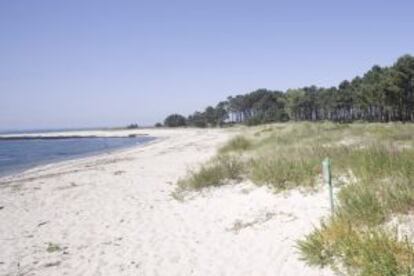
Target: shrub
175	120
132	126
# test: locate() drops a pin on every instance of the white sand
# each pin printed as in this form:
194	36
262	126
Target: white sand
113	215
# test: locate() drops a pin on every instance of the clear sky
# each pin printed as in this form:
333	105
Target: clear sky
87	63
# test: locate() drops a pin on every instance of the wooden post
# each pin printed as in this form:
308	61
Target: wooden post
327	178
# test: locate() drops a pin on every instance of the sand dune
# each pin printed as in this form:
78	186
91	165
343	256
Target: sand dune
113	214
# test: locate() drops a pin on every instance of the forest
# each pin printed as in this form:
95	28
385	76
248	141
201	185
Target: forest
382	94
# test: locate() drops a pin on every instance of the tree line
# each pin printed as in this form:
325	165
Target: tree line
382	94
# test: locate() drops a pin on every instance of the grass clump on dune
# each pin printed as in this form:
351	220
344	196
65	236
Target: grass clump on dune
239	143
217	172
380	161
357	238
226	166
359	204
53	247
282	173
359	252
294	166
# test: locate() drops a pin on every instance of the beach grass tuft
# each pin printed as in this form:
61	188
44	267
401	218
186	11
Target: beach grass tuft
53	247
239	143
216	172
353	251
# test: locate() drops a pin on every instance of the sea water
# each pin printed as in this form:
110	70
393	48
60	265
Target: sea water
23	154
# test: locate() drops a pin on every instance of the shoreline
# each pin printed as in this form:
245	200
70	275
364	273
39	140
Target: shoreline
8	177
24	138
79	134
113	214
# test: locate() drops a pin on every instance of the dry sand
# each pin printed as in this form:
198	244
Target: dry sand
113	214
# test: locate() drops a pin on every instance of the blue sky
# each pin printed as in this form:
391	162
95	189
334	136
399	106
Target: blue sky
106	63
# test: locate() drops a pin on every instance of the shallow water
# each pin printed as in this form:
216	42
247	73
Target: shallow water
19	155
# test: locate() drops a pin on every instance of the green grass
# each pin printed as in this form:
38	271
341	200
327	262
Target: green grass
359	252
377	160
289	155
384	187
218	171
52	247
360	205
356	239
239	143
283	173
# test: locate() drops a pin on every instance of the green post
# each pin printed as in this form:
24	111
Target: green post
327	177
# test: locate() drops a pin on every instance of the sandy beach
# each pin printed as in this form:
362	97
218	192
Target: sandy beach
113	214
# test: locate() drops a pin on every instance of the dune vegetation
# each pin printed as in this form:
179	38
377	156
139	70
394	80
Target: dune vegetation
373	170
